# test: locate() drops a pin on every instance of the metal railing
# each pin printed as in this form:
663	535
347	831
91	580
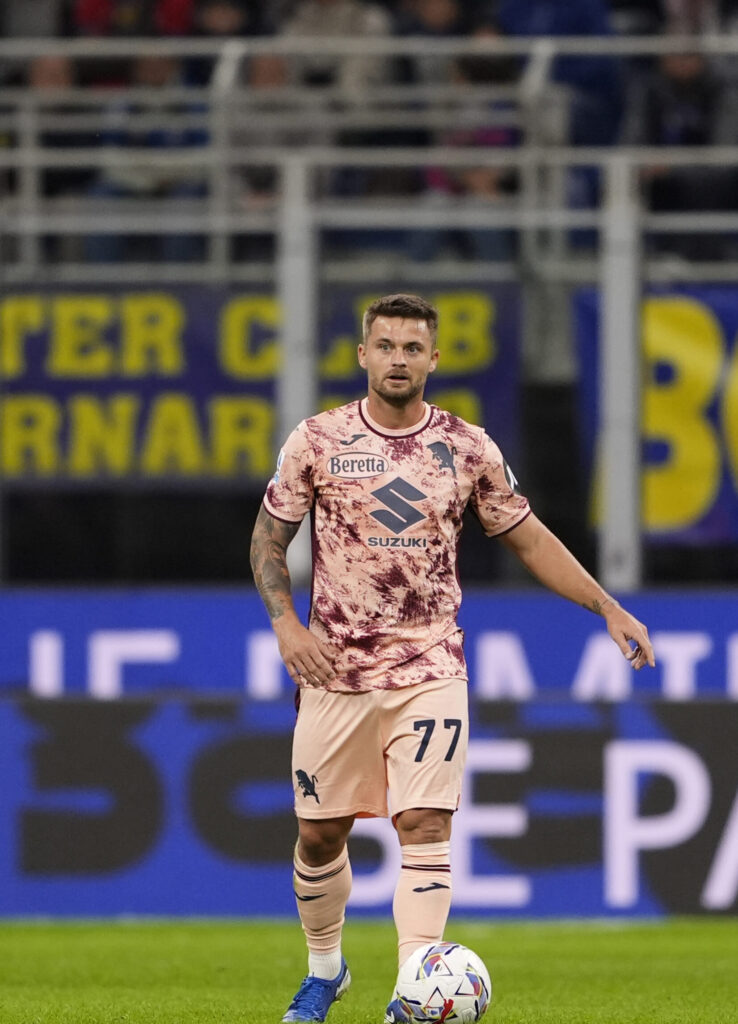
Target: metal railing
298	134
245	129
235	122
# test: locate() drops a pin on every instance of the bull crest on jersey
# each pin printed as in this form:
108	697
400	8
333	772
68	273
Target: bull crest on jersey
307	784
443	455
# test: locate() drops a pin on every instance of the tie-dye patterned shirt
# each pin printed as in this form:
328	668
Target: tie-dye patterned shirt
387	509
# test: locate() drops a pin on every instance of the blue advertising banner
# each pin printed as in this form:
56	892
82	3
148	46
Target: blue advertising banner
145	760
690	410
185	807
178	384
148	643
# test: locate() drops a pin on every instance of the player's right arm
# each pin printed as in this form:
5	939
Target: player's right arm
306	659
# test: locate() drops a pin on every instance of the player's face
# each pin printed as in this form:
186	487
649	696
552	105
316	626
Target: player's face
398	355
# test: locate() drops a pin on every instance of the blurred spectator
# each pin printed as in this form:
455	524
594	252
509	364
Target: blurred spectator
266	76
25	19
234	17
489	186
124	18
41	123
433	19
146	182
729	15
683	103
680	17
352	19
51	72
597	98
132	17
48	76
594	83
258	187
354	76
636	17
225	19
687	17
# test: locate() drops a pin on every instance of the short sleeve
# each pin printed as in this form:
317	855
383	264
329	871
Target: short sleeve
289	494
496	498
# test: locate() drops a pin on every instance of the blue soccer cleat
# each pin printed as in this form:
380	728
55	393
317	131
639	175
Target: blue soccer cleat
316	996
396	1013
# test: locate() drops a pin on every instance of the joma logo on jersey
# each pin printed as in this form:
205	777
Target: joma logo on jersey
357	465
398	513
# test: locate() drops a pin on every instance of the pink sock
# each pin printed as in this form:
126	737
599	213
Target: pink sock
322	893
422	897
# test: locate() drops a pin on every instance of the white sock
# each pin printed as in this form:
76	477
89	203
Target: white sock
325	965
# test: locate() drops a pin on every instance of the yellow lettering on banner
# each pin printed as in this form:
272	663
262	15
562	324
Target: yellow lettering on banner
241	434
19	316
151	335
729	413
78	345
29	435
237	351
685	335
460	402
173	441
102	434
465	335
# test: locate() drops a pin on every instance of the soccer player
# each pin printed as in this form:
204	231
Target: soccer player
380	671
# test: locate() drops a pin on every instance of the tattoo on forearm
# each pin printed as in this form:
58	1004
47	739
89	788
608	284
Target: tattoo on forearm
598	606
269	543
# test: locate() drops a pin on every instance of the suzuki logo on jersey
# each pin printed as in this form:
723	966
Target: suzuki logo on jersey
357	465
398	542
398	514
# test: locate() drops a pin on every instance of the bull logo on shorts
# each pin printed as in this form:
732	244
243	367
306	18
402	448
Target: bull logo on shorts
307	784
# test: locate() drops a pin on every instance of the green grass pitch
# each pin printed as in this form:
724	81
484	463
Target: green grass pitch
683	971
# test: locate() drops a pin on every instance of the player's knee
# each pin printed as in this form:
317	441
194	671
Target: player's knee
423	825
321	842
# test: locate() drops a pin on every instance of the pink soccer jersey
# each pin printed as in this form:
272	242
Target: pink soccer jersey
387	509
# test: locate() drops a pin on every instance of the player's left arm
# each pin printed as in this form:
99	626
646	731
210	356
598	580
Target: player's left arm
551	562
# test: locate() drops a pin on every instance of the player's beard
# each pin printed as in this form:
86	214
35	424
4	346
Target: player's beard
400	399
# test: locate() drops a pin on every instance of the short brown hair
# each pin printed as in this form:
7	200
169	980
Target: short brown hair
410	307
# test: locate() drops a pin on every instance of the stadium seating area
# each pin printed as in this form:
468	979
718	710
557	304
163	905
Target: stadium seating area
166	101
151	143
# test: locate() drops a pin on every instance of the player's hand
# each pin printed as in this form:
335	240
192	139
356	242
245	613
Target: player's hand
308	661
630	635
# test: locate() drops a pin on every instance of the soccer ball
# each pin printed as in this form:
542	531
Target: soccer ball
442	982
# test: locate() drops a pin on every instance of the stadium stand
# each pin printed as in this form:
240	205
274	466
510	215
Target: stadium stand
149	143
